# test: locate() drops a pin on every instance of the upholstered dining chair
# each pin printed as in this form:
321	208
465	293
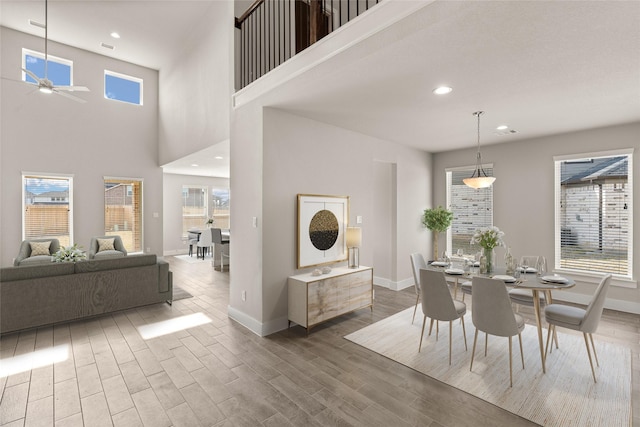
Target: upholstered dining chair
217	240
106	247
205	242
579	319
40	252
417	263
493	315
438	304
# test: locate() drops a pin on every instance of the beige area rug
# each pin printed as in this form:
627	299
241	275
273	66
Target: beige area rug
565	396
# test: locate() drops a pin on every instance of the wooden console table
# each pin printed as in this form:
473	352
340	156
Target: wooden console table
316	299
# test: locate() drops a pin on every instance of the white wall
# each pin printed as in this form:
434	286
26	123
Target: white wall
524	194
172	207
195	92
304	156
52	134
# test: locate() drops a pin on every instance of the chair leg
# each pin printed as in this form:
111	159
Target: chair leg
424	321
521	352
593	347
450	338
430	325
473	351
464	334
550	333
510	368
586	342
486	343
437	329
415	308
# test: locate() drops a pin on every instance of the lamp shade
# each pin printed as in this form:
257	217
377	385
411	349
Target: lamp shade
479	181
354	237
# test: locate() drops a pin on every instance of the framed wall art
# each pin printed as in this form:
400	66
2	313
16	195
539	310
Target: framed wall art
322	225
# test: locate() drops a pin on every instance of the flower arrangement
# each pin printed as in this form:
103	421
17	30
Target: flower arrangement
69	254
488	238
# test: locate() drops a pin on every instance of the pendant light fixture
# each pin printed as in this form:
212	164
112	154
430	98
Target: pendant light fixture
479	179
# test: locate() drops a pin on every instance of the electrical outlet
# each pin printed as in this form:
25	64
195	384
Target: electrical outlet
244	295
359	219
255	221
148	249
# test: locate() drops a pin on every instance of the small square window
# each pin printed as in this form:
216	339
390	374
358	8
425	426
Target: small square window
58	70
121	87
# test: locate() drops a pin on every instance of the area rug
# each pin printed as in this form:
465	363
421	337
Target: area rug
179	293
565	396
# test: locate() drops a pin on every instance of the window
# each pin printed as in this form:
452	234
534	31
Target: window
471	209
194	207
220	207
59	70
47	207
121	87
123	211
594	211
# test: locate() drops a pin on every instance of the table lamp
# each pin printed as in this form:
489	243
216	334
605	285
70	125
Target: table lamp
354	240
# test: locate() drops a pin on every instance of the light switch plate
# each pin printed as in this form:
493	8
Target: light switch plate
359	219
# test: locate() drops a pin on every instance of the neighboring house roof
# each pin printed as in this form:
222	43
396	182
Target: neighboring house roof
49	194
595	169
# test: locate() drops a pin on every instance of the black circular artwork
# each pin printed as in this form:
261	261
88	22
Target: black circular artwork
323	230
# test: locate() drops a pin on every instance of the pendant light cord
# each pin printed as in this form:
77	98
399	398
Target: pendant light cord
479	169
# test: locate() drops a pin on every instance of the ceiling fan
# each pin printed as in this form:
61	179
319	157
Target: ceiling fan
44	84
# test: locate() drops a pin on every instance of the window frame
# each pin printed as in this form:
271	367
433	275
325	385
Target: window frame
623	280
49	58
449	201
41	175
123	77
205	209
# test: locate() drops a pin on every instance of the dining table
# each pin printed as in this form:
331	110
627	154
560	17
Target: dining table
527	280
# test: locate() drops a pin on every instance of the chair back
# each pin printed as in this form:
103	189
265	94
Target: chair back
206	238
25	249
217	236
595	307
437	302
491	310
417	263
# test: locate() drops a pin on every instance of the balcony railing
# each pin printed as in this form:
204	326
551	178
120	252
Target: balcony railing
272	31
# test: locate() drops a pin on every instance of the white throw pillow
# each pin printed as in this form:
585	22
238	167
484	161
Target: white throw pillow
40	248
105	245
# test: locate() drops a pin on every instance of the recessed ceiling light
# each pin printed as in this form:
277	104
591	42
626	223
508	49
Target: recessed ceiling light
219	157
115	35
195	165
442	90
502	127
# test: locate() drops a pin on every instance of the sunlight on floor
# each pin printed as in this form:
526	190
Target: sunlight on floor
33	360
170	326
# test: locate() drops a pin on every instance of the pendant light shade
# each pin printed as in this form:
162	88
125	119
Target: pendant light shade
479	179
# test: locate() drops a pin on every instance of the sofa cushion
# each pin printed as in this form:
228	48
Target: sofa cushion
37	260
108	254
115	263
25	272
40	248
105	245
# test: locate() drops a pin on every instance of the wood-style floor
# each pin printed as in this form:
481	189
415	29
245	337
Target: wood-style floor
221	374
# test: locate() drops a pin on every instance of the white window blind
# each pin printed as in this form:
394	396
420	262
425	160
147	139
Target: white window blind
471	209
594	214
194	207
47	207
123	211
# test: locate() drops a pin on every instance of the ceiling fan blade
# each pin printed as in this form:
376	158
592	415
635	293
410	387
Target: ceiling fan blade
72	88
32	75
68	95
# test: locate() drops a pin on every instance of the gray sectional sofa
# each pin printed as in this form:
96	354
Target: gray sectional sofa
38	295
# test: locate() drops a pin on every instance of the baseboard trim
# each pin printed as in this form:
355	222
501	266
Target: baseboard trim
394	286
258	328
173	252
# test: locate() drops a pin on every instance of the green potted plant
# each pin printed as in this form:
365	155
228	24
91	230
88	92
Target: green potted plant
437	220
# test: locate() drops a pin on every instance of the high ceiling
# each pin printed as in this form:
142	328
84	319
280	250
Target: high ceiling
539	67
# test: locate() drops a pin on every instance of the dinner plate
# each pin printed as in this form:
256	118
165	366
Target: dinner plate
439	264
529	270
454	271
505	278
555	279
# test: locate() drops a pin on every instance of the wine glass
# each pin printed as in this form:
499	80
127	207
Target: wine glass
541	266
460	252
524	264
